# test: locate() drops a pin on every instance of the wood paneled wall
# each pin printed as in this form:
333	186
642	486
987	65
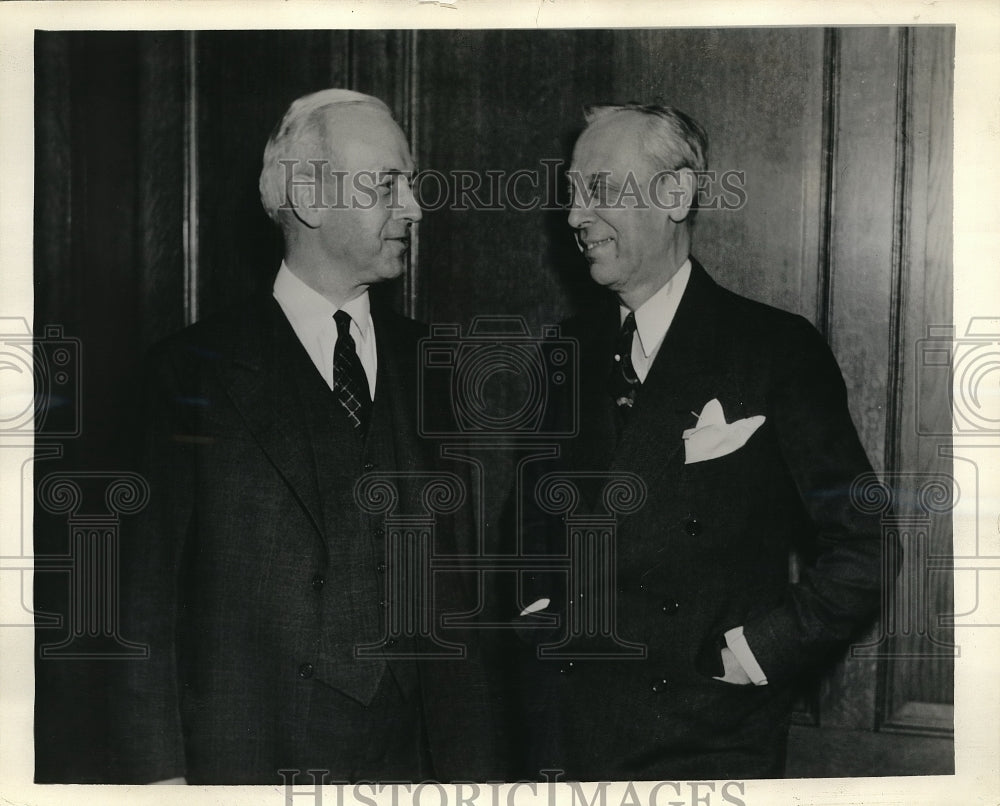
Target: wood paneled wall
148	149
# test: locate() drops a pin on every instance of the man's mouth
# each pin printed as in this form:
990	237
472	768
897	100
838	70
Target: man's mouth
589	246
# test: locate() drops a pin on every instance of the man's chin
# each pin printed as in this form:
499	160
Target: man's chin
602	273
394	268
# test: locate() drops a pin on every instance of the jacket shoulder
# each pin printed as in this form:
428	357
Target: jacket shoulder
760	322
213	338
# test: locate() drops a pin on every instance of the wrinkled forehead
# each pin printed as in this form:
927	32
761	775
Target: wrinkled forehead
611	146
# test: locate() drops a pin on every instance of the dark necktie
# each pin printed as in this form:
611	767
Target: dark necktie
624	382
350	384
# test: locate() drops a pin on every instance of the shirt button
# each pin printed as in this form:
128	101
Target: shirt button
306	671
692	526
669	607
659	686
380	532
390	643
318	581
567	668
383	603
369	467
380	568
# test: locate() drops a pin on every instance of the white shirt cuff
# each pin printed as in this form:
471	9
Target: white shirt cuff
738	645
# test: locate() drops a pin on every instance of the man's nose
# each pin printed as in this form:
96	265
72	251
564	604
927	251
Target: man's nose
579	215
409	208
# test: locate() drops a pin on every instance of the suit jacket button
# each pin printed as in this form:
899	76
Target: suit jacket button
670	607
369	467
692	526
318	581
566	668
380	568
306	671
659	686
391	642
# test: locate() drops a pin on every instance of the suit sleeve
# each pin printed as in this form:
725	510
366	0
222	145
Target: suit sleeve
149	743
840	589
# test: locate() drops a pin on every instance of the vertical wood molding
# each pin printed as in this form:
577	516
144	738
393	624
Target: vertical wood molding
901	197
161	170
412	302
350	48
863	172
831	122
54	287
190	177
916	682
900	252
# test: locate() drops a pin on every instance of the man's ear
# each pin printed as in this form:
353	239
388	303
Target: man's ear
301	198
675	192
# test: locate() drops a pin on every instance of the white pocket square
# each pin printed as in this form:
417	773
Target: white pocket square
713	437
535	607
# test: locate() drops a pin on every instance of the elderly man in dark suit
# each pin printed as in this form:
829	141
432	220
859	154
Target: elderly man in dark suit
256	577
732	418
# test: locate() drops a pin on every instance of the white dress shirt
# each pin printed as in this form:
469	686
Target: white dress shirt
652	321
653	318
311	316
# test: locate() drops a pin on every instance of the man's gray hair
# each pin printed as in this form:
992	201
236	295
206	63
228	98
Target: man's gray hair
301	136
671	139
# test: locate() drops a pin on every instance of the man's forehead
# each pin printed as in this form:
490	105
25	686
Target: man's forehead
608	146
367	138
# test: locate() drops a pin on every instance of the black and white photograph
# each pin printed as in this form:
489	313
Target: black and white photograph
583	406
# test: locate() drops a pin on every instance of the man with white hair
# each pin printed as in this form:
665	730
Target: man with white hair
254	576
732	418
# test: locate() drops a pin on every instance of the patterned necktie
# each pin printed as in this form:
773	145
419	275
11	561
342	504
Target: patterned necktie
350	384
624	382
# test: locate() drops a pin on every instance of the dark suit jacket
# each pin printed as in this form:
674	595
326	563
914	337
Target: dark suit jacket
709	550
236	575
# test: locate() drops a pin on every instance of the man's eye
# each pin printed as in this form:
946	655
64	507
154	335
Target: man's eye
602	191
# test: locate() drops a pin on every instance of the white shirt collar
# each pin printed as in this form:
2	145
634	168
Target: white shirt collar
654	316
311	316
306	307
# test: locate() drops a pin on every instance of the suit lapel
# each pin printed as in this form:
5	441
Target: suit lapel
260	380
652	440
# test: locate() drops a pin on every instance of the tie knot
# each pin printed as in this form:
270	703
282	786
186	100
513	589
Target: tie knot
343	320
